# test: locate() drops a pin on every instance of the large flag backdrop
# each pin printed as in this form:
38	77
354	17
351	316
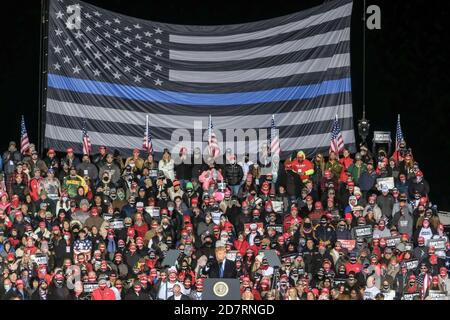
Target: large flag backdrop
114	70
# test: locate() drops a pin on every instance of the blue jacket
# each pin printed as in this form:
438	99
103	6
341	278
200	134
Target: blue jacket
402	187
367	180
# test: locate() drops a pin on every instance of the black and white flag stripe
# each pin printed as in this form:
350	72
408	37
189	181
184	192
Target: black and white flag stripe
115	69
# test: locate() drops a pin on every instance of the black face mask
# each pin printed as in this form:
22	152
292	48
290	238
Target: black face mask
169	242
307	225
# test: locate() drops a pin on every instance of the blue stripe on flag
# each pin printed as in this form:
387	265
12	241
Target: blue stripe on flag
186	98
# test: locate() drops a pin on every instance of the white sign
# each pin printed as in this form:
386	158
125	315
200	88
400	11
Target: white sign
382	136
393	241
389	182
216	216
277	206
438	244
116	224
231	255
89	287
364	231
40	259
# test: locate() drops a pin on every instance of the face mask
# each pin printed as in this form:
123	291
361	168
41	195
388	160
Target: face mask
66	237
307	225
170	208
7	287
233	161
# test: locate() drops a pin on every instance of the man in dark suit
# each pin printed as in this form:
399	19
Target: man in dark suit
222	267
177	294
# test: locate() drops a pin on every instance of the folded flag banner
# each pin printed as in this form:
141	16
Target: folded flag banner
113	70
87	146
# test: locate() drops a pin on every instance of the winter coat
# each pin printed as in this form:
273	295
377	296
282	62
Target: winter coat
403	222
423	187
356	171
386	203
168	168
367	180
113	170
105	294
183	171
88	169
233	174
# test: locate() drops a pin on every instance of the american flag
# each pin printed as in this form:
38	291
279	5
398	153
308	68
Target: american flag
399	135
24	142
274	139
87	146
212	141
113	69
337	141
147	145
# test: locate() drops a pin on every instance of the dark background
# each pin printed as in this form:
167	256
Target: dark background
407	66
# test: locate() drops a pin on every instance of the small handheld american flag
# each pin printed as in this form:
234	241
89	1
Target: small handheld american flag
24	142
274	140
337	141
212	141
147	145
399	135
87	146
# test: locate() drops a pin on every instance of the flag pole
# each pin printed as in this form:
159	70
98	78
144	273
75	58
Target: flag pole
42	74
364	60
209	135
146	131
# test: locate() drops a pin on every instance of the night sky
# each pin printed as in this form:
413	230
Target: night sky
407	66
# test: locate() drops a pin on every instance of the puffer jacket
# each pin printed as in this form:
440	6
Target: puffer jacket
233	174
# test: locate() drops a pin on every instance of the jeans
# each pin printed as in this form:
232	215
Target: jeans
235	189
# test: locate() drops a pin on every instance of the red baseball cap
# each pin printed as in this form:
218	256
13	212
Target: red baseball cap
51	151
69	150
419	174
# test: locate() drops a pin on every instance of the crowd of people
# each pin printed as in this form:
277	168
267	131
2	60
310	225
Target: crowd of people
344	227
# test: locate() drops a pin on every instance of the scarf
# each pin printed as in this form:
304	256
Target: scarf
111	246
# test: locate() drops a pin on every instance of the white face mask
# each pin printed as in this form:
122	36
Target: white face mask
7	287
233	161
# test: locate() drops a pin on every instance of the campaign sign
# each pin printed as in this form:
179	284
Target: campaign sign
153	173
116	224
339	281
40	259
412	264
436	295
259	227
363	231
438	244
410	296
155	212
389	182
278	228
107	216
393	241
88	287
277	206
348	244
231	255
